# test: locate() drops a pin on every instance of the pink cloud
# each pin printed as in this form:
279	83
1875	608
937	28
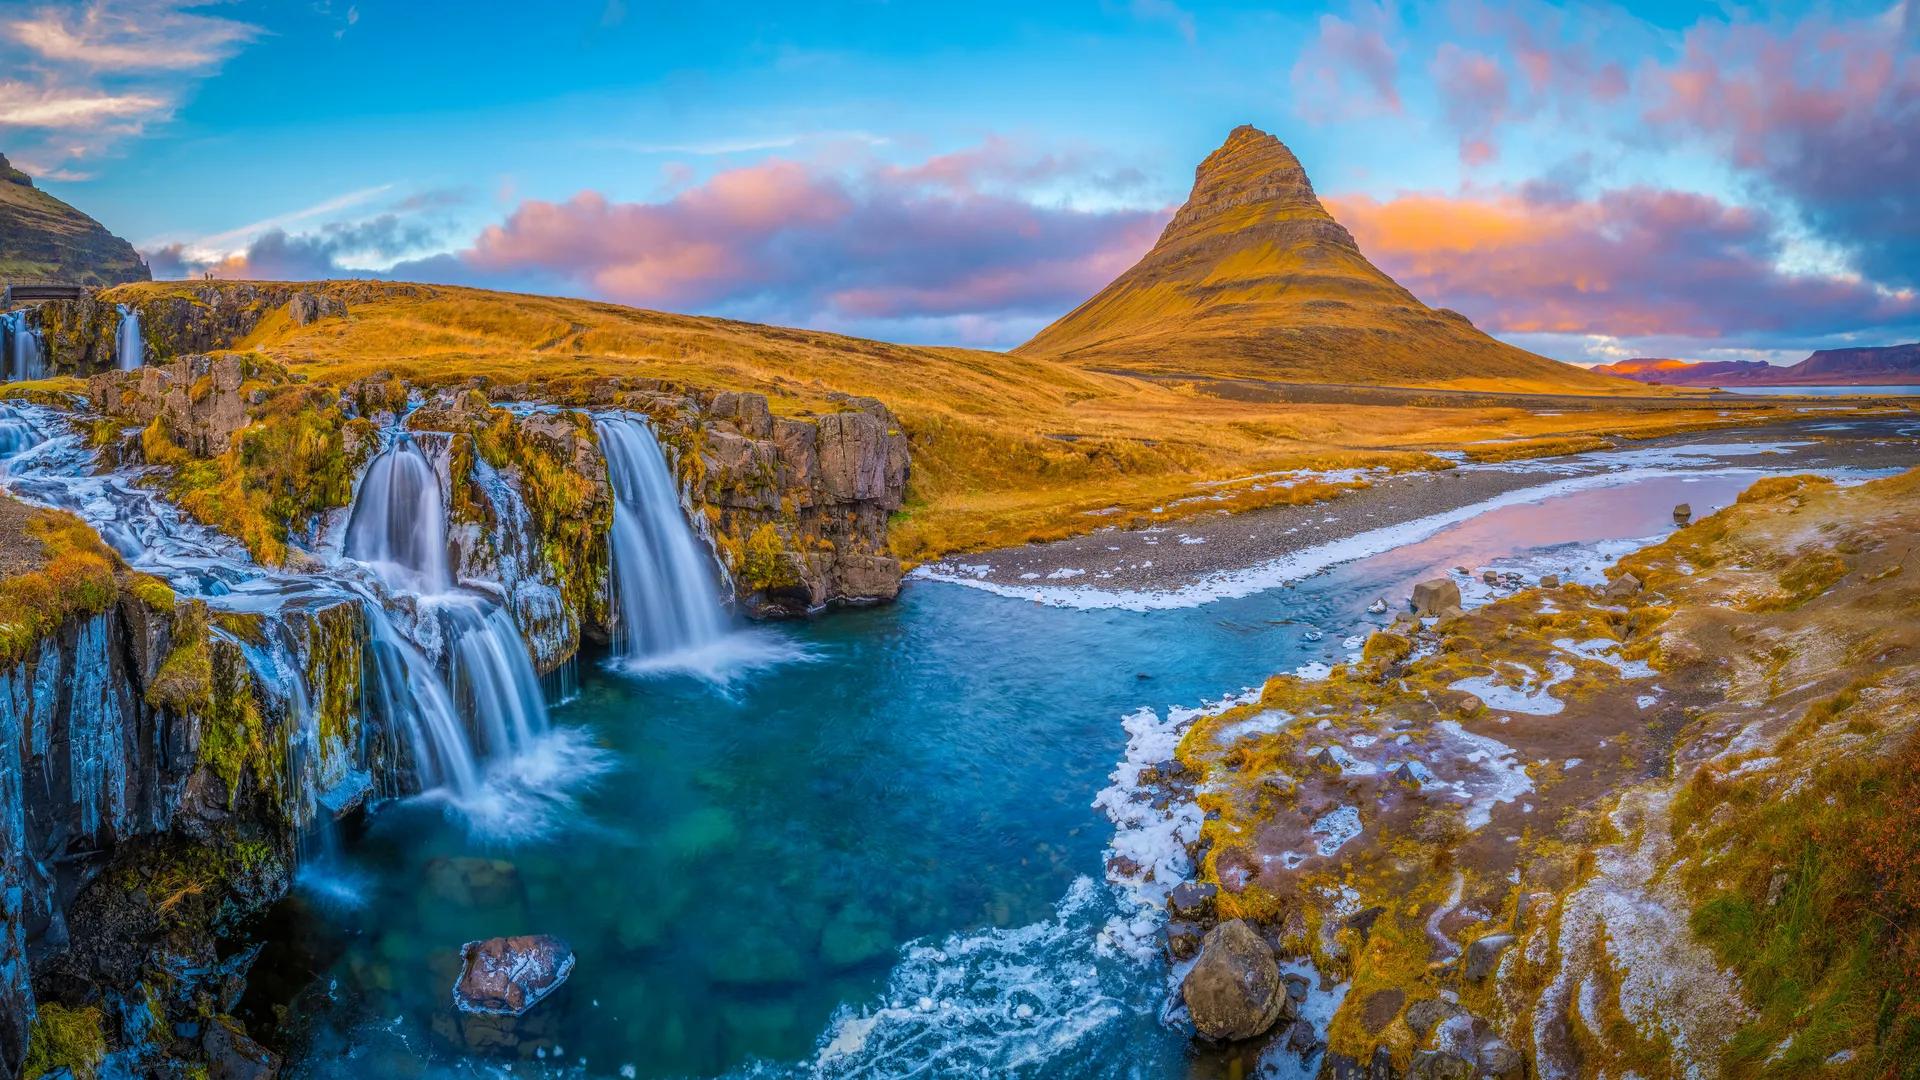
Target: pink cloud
1348	69
1473	95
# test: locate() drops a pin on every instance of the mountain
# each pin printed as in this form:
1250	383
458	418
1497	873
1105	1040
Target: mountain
1890	365
44	239
1253	277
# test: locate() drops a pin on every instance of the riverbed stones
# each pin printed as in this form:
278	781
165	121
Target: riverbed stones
1234	990
468	883
1433	596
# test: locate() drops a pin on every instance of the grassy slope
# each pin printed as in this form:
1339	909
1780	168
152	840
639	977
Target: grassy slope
1254	278
1006	447
44	239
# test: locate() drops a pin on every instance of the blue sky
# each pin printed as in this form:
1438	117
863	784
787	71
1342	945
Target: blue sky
1588	180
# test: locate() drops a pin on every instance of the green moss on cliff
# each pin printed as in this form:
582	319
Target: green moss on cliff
67	1038
74	574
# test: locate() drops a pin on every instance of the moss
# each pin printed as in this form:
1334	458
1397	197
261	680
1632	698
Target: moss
184	682
77	575
764	563
571	513
69	1038
156	594
334	659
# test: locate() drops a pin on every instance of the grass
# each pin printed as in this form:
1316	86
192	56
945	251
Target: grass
73	574
1007	447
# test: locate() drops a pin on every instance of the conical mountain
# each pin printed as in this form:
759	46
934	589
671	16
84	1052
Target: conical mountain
1253	278
43	239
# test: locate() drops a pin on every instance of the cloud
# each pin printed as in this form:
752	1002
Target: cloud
1635	262
336	250
1349	69
1474	97
939	250
83	77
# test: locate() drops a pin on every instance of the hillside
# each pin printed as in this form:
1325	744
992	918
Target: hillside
1006	448
44	239
1254	278
1891	365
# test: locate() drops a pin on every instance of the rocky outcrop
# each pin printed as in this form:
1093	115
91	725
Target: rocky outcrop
197	398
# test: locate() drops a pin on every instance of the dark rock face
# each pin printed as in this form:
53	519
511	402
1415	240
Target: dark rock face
1234	990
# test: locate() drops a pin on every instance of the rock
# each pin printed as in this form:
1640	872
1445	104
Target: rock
1378	607
507	976
1404	775
1491	577
467	882
1549	581
1381	1067
748	412
1379	1008
1439	1065
1501	1062
1682	513
1362	921
1429	1013
1192	899
1301	1038
855	936
305	307
1484	954
1449	613
232	1055
1183	940
1624	587
1429	597
1297	987
1234	989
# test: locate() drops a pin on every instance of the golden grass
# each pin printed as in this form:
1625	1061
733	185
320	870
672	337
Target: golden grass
1007	448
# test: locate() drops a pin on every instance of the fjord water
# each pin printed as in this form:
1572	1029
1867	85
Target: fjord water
740	883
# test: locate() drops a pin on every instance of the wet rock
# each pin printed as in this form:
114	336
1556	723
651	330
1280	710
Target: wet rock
1297	987
1624	587
507	976
1449	613
1378	607
1549	581
1234	989
1431	597
1301	1038
1439	1065
1192	900
1425	1015
1183	940
1491	577
1682	514
1484	954
232	1055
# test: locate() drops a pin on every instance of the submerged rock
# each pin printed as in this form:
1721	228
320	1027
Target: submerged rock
1234	990
507	976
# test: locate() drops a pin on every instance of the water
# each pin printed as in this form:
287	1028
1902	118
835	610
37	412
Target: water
129	349
1825	391
26	347
398	526
884	861
665	591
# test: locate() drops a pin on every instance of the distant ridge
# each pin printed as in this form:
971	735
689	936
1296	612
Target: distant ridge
44	240
1254	278
1889	365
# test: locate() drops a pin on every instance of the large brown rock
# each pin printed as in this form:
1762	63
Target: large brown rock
1430	598
507	976
1234	990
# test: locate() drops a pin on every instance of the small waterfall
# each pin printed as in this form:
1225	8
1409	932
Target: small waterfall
665	596
26	351
493	676
399	525
414	700
129	350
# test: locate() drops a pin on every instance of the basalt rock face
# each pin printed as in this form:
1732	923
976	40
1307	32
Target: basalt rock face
150	801
1253	277
797	506
198	398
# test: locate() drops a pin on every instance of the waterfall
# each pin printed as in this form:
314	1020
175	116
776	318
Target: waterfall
398	525
415	701
665	596
129	351
493	675
26	352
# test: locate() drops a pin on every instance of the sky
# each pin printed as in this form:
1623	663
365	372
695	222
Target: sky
1590	181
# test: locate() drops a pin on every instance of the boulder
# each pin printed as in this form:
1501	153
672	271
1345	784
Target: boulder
1234	989
507	976
1431	597
232	1055
1192	899
306	307
1624	587
1501	1062
1449	613
1491	577
1531	911
1183	940
1439	1065
1682	513
748	413
1484	954
1549	581
1429	1013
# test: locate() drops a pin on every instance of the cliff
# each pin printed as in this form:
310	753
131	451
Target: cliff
44	240
1253	277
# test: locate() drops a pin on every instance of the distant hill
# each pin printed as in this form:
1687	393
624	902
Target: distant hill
1253	277
1890	365
44	239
